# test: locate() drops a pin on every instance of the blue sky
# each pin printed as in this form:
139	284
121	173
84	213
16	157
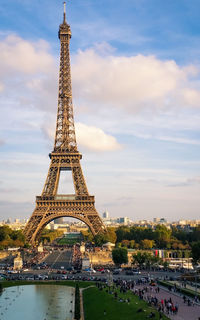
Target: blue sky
136	93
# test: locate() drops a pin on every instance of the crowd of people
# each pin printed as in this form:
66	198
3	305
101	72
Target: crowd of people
144	291
76	257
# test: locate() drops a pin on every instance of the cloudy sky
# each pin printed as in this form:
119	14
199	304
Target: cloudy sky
136	95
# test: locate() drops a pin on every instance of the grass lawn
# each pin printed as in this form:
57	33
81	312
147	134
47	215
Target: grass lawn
65	241
96	301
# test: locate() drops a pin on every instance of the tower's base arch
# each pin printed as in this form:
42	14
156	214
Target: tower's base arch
47	211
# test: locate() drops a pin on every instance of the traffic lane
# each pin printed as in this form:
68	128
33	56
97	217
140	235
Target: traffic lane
57	274
63	261
58	259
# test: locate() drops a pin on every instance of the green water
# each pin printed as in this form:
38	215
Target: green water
37	302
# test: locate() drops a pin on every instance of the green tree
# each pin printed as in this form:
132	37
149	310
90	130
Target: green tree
147	244
140	258
125	243
11	238
123	233
5	232
196	234
50	235
120	255
133	244
162	236
196	252
17	235
144	259
108	236
87	236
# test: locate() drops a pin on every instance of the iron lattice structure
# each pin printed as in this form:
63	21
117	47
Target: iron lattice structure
65	156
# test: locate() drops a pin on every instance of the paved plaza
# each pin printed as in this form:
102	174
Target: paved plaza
185	312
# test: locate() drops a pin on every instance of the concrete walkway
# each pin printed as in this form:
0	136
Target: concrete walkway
186	286
185	312
81	302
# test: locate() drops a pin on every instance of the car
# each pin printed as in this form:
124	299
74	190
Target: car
117	271
31	278
129	273
152	283
136	271
143	279
90	270
64	272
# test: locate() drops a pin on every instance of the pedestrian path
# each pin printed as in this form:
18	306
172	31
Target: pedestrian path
185	312
183	285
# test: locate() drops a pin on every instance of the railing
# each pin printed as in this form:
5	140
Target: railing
65	197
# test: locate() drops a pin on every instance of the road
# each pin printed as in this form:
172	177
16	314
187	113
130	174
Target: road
62	259
58	259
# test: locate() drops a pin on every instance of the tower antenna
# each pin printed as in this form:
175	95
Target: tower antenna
64	16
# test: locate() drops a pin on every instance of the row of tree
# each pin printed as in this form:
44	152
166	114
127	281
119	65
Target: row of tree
161	237
48	236
11	238
146	259
147	238
140	259
15	238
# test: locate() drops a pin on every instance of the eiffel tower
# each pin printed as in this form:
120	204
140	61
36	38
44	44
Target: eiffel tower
65	156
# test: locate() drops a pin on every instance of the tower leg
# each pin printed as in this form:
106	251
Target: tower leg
42	215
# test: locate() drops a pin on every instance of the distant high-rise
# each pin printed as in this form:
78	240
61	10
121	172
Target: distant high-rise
8	221
59	221
159	220
105	215
123	220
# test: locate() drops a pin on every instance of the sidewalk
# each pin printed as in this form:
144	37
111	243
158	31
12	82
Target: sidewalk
81	302
187	286
185	312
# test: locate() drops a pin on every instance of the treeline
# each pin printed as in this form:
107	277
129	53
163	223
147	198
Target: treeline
15	238
11	238
161	237
48	236
147	238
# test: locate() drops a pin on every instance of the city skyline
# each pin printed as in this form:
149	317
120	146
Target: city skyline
135	78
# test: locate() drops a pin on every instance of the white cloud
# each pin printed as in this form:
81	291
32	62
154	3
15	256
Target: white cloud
135	83
1	87
157	136
27	73
191	97
22	56
186	182
95	139
89	137
179	140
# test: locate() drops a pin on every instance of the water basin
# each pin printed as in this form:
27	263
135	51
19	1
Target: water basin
41	302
